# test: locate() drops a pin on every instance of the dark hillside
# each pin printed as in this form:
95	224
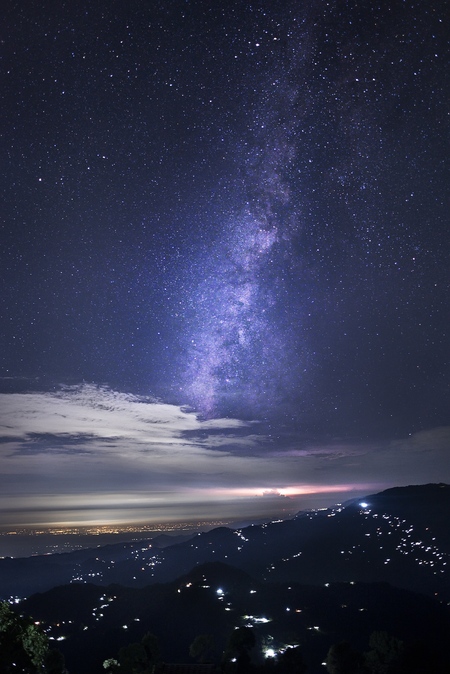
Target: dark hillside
215	599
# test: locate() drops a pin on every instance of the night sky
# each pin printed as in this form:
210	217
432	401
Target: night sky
224	256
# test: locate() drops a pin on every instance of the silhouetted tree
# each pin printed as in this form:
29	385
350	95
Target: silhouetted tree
54	662
151	645
202	648
24	646
385	655
136	658
342	659
133	659
241	641
35	644
244	663
291	662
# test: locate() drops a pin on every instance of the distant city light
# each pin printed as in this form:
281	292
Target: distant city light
363	504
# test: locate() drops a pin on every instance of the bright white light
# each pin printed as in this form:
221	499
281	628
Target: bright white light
219	591
270	653
255	619
363	504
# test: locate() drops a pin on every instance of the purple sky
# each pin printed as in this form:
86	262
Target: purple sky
223	256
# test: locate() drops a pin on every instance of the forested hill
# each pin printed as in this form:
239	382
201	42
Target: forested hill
91	624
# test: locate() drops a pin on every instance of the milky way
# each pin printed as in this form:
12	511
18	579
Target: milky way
235	209
317	230
243	357
239	352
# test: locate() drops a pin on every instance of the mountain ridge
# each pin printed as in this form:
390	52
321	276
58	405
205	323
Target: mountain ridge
398	536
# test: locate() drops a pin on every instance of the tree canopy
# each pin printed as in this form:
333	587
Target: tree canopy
24	646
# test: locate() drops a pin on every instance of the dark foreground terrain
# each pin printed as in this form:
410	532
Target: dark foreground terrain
90	624
325	577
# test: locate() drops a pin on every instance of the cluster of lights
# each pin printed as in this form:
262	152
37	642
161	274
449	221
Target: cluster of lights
424	554
271	652
254	620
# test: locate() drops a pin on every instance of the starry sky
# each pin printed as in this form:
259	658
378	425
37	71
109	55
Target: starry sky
224	256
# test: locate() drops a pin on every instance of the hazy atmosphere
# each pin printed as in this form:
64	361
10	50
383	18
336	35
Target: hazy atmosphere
224	257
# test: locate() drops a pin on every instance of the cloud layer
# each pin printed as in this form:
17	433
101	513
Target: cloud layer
88	454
